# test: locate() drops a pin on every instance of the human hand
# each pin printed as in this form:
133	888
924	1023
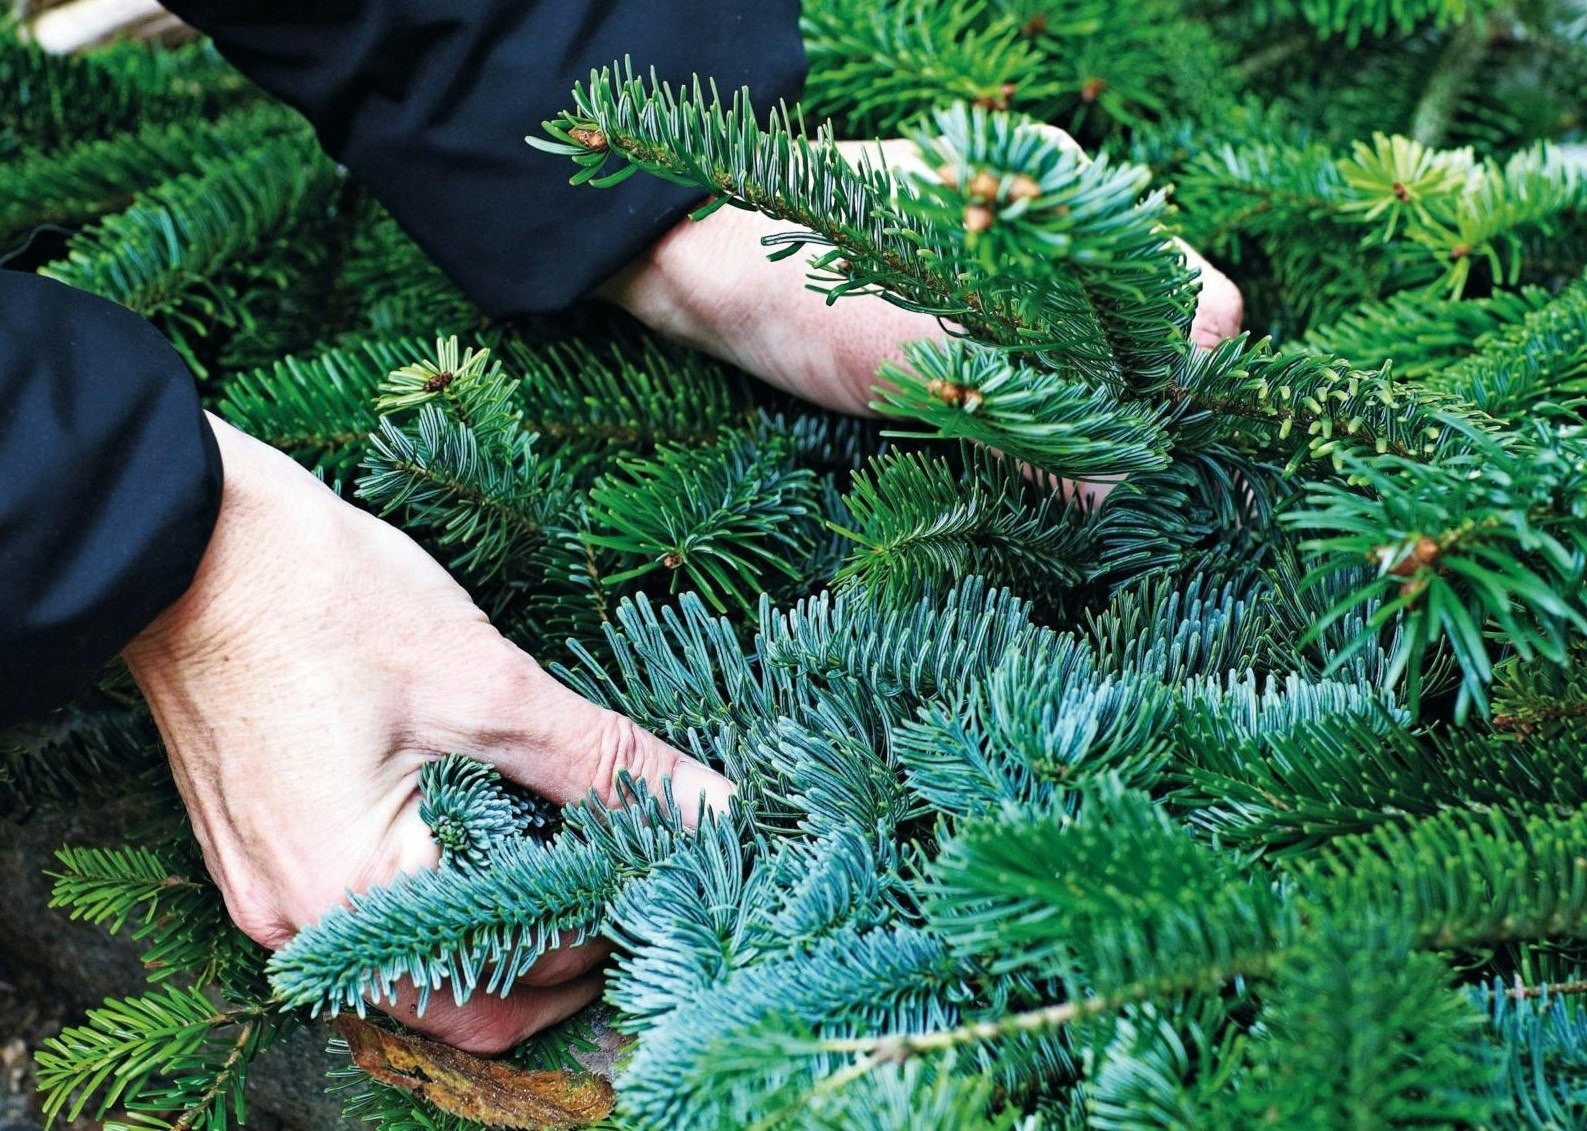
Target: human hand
319	660
709	284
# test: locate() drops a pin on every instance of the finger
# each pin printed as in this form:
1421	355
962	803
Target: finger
569	964
567	747
487	1024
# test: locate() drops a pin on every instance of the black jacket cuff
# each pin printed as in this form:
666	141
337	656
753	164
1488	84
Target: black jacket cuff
427	103
110	482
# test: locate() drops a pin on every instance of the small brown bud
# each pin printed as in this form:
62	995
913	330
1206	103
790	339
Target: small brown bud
984	186
439	381
1460	252
978	218
1023	187
1401	193
948	175
588	138
1515	724
1034	26
1009	90
672	559
955	395
1412	587
1425	553
1091	88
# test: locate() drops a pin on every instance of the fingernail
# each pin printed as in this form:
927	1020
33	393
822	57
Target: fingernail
690	782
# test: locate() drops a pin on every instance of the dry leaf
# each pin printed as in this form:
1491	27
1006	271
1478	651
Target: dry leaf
486	1091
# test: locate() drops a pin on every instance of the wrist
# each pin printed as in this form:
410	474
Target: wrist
232	586
672	288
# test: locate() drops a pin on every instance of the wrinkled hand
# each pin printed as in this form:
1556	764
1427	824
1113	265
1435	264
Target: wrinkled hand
710	285
318	661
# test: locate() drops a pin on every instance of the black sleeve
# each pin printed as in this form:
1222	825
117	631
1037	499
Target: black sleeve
427	103
109	486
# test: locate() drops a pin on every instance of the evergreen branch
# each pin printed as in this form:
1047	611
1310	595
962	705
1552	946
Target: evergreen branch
875	66
108	886
694	140
1544	991
1461	880
167	1051
470	812
1058	424
101	175
490	497
1536	366
1458	66
1112	897
917	523
585	399
481	928
166	249
1123	278
725	520
1427	340
50	101
1495	534
316	409
1354	19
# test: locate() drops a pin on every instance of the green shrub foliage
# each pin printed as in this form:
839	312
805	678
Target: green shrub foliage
1251	795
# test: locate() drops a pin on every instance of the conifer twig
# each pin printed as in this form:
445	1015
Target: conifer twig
1457	66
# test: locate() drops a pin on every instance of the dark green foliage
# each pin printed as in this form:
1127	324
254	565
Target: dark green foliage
49	101
917	524
102	175
1248	795
241	216
724	521
170	1051
1311	1068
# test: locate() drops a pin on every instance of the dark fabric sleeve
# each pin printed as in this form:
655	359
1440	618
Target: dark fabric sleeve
110	482
427	103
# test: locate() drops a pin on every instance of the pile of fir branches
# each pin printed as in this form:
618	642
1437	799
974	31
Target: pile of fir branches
1250	796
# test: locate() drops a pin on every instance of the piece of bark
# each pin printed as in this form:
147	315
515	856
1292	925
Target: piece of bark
485	1091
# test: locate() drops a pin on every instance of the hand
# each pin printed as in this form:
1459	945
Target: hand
318	661
710	285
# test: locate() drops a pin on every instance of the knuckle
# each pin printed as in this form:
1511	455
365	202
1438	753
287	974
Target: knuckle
622	749
258	919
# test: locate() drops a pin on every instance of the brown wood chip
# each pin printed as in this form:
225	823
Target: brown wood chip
486	1091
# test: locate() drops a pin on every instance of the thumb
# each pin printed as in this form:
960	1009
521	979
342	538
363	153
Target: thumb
568	747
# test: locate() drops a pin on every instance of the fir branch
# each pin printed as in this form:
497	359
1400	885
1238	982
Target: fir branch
1496	535
917	523
168	246
1458	67
880	231
875	66
101	175
489	498
317	409
170	1051
476	929
725	520
1056	423
471	814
